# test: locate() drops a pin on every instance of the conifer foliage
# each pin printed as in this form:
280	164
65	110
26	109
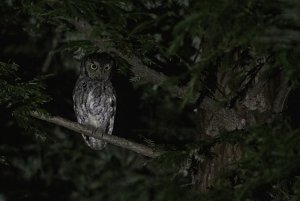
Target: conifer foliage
186	72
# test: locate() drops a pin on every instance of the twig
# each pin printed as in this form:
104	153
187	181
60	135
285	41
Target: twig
117	141
283	91
50	54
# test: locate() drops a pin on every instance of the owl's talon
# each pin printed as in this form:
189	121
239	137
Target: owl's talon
97	131
86	137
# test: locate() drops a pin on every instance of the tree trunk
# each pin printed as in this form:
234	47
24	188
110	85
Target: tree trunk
253	100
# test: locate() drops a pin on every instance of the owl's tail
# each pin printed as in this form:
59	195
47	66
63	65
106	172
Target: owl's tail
94	143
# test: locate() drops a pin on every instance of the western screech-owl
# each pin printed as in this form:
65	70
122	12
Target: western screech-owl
94	96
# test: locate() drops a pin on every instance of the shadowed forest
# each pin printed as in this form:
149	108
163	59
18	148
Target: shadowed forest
207	100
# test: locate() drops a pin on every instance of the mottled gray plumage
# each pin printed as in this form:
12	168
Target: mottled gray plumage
94	96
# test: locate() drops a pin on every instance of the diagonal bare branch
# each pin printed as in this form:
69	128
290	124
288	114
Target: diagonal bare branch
117	141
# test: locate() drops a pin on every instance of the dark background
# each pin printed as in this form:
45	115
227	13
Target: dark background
52	163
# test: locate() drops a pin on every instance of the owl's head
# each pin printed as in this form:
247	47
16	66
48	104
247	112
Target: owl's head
97	66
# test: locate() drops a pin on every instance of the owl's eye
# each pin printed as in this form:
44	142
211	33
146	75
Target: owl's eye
93	66
107	67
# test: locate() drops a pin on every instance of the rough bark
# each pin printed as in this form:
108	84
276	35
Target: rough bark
255	100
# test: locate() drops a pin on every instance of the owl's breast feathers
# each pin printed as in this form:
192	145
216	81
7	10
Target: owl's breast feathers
95	105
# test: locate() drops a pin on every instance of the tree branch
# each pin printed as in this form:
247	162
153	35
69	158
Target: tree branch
117	141
139	69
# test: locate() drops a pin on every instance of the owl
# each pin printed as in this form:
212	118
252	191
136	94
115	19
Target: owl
94	97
